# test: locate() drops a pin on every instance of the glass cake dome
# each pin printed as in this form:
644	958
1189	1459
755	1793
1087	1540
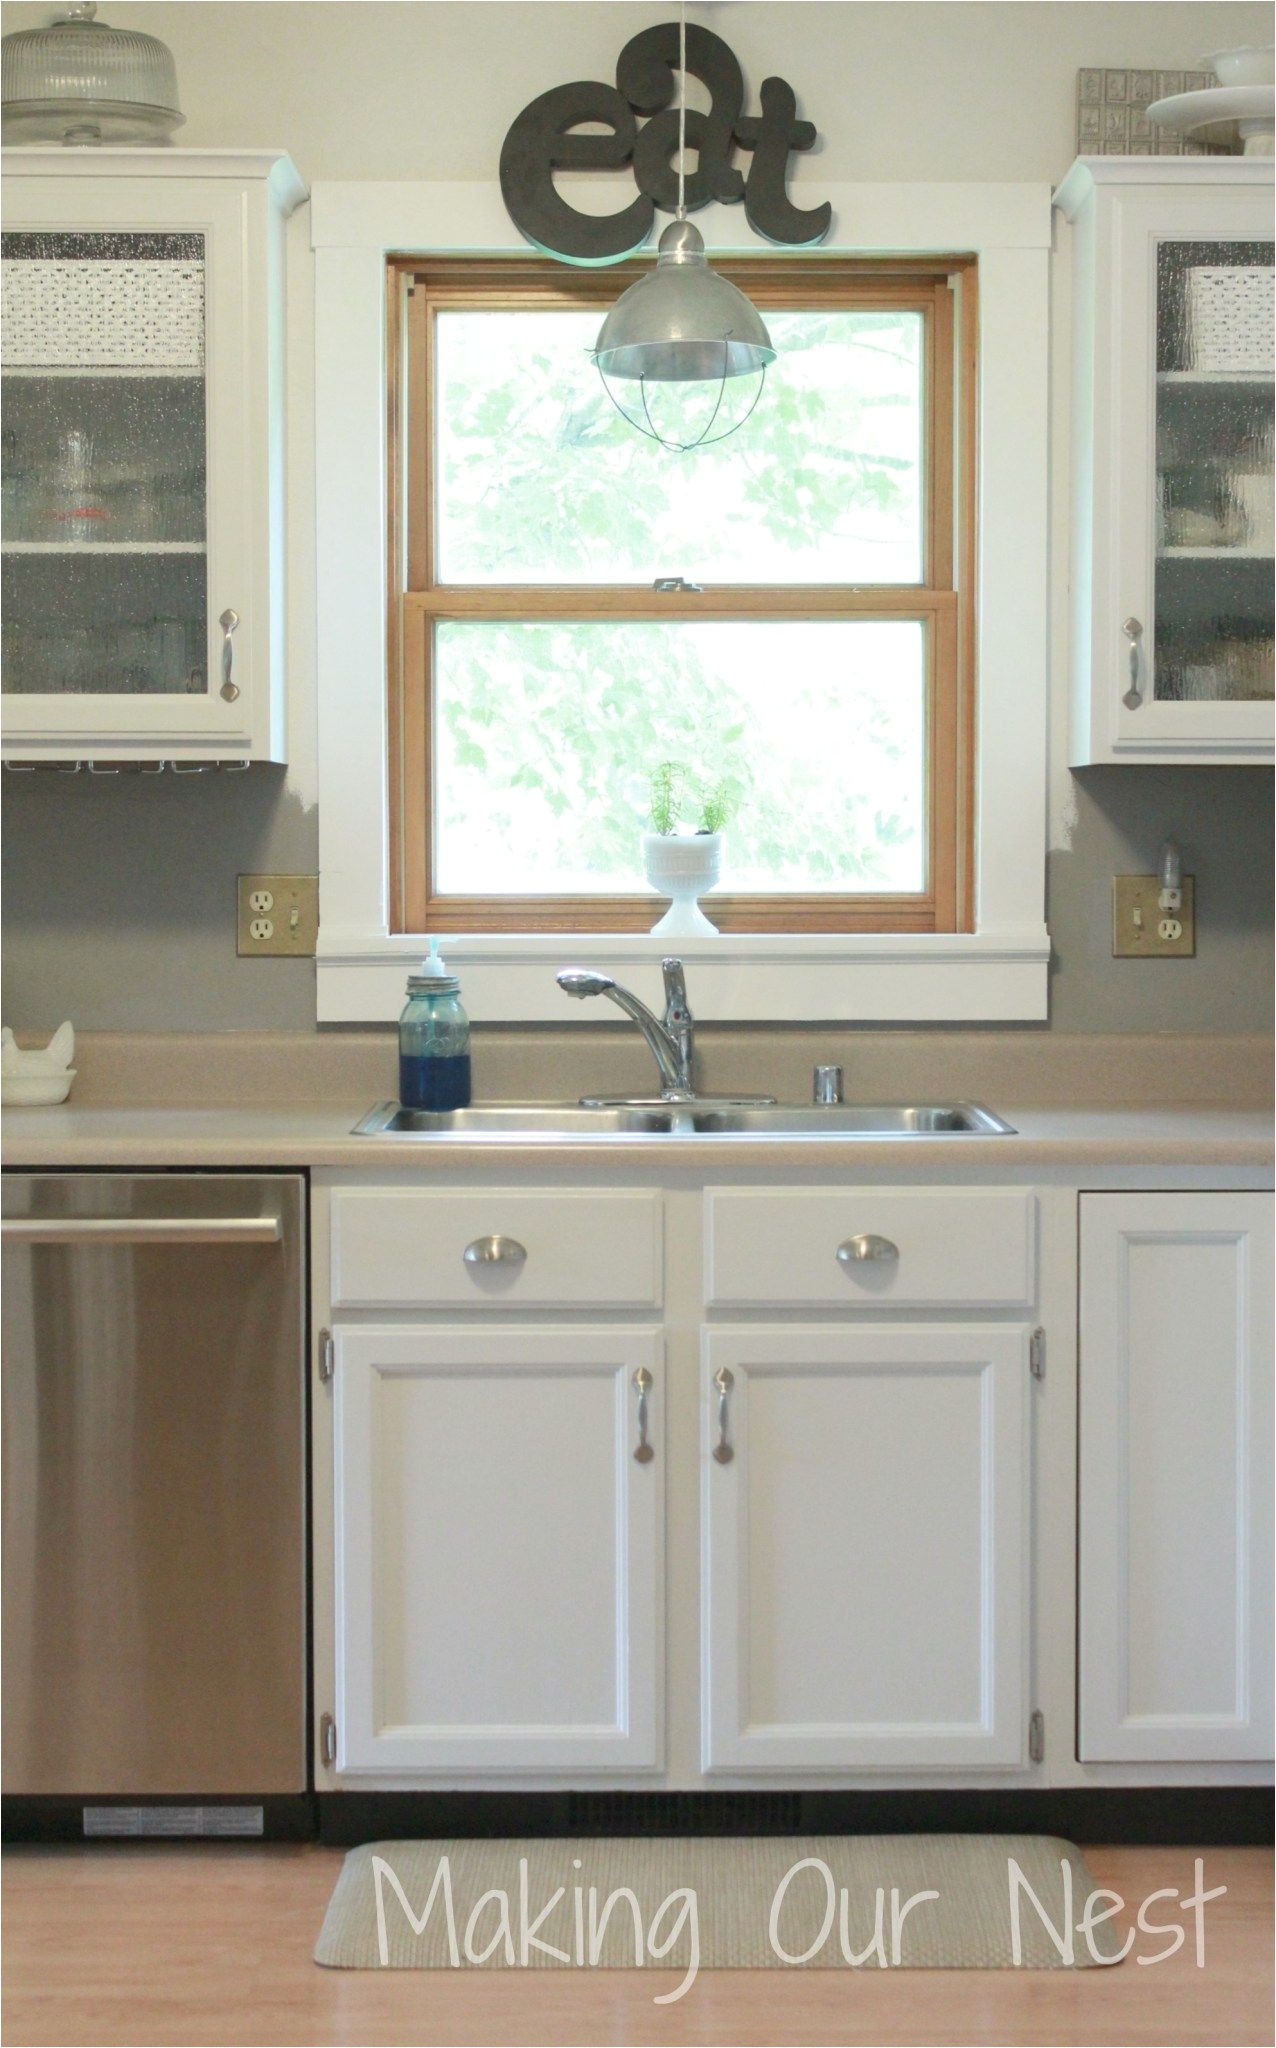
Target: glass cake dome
79	81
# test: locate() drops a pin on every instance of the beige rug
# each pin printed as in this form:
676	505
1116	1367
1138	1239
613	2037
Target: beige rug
921	1902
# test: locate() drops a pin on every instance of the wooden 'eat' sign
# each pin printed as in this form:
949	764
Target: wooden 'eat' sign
543	140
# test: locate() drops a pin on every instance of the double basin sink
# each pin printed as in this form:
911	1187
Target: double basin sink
705	1116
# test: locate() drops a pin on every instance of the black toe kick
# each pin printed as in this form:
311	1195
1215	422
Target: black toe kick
1189	1814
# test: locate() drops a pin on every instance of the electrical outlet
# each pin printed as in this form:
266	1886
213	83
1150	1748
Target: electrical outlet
1142	930
278	916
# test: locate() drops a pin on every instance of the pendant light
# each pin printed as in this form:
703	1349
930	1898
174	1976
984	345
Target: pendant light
682	323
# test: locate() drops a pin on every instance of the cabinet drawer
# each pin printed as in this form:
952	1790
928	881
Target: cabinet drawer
405	1248
949	1248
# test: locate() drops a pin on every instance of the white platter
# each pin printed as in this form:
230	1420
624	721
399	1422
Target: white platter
1215	114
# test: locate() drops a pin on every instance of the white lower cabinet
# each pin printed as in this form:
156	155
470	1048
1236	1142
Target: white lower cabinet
883	1578
498	1549
865	1547
1176	1492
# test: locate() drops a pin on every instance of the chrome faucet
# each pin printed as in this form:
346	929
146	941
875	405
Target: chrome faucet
672	1040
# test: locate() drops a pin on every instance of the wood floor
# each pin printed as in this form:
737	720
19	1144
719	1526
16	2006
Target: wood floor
212	1944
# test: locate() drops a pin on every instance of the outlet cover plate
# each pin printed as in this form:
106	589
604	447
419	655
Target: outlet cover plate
278	916
1137	916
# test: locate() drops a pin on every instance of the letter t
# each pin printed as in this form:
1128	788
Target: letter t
767	204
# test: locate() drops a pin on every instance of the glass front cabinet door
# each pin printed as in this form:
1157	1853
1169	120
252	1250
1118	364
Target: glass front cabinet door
142	449
1172	535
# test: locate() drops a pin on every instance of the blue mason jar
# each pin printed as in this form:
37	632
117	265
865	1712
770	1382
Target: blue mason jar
434	1041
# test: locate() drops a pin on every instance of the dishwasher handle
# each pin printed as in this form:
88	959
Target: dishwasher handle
141	1230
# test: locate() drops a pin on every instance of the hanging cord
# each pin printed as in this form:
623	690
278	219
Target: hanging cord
682	109
645	425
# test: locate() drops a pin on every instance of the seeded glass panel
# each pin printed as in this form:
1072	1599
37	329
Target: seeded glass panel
546	734
103	464
1214	439
110	624
540	480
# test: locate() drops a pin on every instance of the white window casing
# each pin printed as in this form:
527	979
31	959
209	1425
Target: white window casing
996	973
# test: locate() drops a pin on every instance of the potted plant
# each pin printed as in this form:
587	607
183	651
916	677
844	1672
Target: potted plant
683	860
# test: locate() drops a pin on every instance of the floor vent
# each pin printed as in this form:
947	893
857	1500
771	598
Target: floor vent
173	1820
685	1813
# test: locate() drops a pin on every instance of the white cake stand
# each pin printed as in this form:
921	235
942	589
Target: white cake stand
1218	113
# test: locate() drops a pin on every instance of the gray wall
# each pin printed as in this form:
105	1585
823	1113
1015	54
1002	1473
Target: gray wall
1222	819
120	892
119	901
896	88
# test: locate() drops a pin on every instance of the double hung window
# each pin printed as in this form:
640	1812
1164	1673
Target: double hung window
811	654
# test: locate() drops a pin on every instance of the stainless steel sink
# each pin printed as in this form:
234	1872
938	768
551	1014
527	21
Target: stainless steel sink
503	1120
556	1121
853	1119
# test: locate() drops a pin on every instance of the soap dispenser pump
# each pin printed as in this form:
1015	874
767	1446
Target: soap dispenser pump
434	1039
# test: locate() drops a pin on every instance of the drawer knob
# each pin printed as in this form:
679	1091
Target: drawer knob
495	1251
857	1249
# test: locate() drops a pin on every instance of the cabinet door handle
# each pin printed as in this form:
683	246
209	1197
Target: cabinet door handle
1133	630
327	1740
723	1380
642	1387
228	622
495	1251
857	1249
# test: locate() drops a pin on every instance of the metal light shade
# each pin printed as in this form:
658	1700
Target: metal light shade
682	323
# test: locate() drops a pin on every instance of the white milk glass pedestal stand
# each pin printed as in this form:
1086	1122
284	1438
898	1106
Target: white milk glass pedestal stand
683	866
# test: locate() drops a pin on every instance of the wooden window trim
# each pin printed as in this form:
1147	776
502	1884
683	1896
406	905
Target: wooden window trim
943	290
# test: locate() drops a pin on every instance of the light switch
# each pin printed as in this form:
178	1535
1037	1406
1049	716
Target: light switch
1142	930
278	916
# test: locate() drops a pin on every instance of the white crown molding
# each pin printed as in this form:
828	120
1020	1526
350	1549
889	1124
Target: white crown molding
464	217
1207	172
56	160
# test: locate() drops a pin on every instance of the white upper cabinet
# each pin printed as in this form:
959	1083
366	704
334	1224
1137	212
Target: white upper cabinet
143	454
1172	530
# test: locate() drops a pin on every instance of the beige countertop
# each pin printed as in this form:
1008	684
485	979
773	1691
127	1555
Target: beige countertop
1104	1137
1091	1107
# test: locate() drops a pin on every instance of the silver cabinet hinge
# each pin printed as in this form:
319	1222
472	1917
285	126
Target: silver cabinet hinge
325	1356
1037	1737
327	1739
1037	1354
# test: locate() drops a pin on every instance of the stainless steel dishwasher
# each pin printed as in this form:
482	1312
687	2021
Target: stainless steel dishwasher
154	1496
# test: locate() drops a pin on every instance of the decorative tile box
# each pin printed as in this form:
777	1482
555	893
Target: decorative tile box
1112	109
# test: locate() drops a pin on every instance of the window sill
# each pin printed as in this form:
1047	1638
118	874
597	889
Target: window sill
823	977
